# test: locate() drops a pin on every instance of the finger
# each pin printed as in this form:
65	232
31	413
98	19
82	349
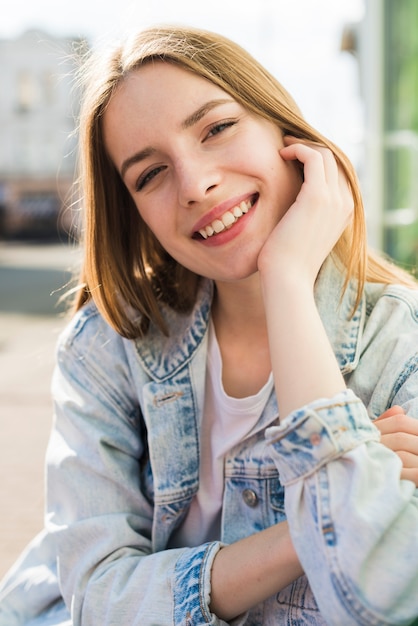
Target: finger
401	442
321	173
394	410
398	423
321	167
291	139
410	474
408	459
327	154
311	157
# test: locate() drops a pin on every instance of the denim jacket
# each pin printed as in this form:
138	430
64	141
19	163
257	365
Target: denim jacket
122	469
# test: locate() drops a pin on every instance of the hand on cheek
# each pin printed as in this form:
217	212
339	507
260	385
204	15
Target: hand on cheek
315	221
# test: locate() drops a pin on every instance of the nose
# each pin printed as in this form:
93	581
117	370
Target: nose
197	177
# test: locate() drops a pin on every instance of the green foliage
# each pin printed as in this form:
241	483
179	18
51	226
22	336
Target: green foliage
401	130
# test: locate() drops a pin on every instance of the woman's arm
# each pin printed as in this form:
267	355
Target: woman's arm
304	365
352	520
303	362
101	519
251	570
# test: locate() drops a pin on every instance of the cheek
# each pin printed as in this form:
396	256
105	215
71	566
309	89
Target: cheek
150	213
290	175
161	224
295	172
151	223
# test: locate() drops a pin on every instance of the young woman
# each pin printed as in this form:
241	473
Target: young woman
213	458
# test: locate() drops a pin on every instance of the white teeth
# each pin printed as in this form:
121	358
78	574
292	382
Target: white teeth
218	226
226	220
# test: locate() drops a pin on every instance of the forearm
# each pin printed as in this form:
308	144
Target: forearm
251	570
304	365
349	512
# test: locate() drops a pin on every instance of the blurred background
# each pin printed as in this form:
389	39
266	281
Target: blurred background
351	65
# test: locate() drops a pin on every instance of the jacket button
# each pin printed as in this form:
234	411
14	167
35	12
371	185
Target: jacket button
250	497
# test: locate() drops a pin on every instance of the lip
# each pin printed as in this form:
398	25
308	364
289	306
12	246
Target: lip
220	209
236	228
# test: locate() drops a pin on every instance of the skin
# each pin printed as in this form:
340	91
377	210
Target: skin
187	152
399	432
197	172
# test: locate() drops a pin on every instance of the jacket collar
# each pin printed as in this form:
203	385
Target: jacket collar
343	326
162	357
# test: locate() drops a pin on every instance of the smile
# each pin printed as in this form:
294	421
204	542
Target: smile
228	219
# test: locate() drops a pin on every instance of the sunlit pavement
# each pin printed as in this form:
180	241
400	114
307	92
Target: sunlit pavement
32	278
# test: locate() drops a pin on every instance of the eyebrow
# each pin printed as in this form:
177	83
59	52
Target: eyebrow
195	117
136	158
191	120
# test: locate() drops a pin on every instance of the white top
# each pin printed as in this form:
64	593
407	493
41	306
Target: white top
226	421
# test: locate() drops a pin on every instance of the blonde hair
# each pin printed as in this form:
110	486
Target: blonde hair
125	268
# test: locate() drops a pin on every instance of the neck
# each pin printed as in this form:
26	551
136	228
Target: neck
239	305
240	324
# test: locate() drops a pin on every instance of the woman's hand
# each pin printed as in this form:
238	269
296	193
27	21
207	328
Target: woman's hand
399	432
303	362
313	224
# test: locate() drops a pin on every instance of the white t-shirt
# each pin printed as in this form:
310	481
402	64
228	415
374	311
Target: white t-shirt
226	421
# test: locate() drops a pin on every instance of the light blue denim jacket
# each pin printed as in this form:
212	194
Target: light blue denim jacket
122	469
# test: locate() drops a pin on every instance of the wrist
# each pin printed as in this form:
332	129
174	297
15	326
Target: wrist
290	289
286	276
251	570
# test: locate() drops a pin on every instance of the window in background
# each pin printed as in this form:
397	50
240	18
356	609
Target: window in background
400	55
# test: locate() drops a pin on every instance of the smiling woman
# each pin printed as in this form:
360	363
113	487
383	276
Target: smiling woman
201	156
214	458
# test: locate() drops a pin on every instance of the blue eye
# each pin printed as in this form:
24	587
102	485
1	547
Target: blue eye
147	177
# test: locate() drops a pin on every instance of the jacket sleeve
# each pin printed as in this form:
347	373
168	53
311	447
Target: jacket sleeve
98	509
353	521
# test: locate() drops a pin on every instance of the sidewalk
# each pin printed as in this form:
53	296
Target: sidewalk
27	352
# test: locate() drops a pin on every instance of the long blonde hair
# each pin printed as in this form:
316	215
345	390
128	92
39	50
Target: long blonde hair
125	268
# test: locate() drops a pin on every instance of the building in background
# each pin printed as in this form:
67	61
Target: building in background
388	56
38	108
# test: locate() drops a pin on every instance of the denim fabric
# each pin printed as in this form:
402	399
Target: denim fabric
123	467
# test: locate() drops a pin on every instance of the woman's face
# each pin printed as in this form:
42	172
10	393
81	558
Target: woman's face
205	174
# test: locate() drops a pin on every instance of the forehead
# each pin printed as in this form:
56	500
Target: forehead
157	85
153	102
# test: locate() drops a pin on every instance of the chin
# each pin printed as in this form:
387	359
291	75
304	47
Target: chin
237	276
